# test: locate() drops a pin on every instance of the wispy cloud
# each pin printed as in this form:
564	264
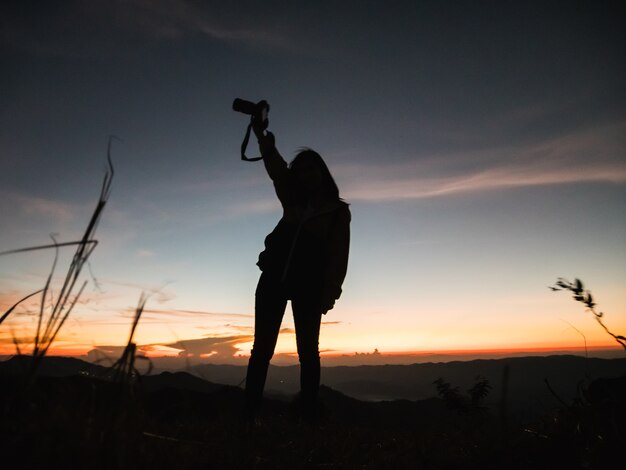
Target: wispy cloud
143	253
11	340
100	27
592	156
193	313
250	37
174	18
9	298
241	329
37	207
155	316
167	316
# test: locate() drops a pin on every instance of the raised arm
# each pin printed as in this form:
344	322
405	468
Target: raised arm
276	166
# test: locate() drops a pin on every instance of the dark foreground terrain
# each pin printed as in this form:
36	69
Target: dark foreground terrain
77	415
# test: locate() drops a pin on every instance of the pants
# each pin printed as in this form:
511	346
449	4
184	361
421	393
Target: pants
270	304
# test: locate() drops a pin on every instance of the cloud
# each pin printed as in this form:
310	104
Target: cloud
105	27
11	297
158	316
249	37
174	18
595	155
216	346
145	254
26	205
248	329
177	312
222	348
11	340
260	206
112	352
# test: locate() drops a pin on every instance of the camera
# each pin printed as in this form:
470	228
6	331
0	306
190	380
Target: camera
258	121
258	111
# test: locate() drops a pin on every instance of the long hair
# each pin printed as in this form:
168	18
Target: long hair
330	189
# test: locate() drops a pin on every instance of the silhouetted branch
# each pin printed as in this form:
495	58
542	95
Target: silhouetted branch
585	297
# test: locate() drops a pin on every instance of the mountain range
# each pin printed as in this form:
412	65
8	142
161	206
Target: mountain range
526	387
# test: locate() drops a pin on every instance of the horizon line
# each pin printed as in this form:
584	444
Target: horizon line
378	353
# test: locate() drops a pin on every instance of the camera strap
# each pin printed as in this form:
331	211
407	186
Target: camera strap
244	146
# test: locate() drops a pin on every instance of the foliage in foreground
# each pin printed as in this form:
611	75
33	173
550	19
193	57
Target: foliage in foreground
580	294
51	318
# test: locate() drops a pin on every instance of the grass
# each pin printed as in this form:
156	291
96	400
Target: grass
52	318
81	421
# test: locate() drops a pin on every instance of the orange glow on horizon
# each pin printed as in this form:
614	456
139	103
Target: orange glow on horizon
70	351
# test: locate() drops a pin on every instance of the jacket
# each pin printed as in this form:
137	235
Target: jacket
308	249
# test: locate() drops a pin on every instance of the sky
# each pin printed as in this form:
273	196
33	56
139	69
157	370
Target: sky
481	146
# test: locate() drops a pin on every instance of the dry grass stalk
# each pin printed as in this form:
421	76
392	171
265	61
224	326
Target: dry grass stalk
50	320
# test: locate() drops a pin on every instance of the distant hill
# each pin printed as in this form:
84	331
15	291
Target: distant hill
180	420
181	396
56	366
52	366
528	395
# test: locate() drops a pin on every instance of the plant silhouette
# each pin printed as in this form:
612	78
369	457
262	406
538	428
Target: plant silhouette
50	321
584	296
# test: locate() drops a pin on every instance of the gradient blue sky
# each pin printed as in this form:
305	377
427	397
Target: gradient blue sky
481	145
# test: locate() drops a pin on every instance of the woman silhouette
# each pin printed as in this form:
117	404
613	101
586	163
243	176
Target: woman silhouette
304	261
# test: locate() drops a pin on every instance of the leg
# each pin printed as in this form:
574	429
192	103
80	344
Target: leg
307	319
270	306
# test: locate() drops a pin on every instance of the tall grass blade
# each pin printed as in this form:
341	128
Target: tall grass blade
8	312
52	318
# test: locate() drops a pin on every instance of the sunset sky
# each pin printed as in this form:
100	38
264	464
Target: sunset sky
481	145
